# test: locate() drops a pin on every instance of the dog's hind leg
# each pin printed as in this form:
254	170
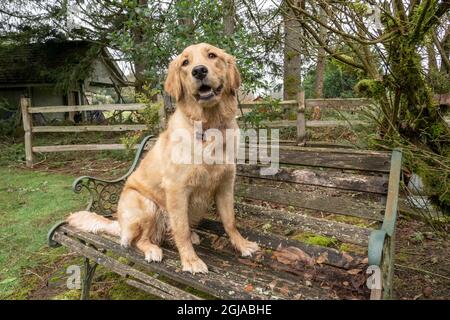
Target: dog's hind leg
139	218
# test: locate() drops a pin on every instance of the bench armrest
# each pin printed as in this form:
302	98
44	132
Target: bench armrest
104	194
381	241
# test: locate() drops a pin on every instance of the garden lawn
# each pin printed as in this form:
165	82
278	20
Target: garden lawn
30	203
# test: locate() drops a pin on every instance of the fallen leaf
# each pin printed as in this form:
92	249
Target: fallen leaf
248	262
273	284
427	292
323	258
284	290
219	243
345	283
354	271
347	257
292	255
248	288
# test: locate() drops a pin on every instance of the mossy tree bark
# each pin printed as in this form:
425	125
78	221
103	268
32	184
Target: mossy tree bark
292	49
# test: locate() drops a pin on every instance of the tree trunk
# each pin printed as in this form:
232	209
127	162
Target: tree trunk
432	63
139	64
185	21
229	12
292	58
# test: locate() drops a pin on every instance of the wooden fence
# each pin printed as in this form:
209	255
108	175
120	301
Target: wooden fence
28	111
301	104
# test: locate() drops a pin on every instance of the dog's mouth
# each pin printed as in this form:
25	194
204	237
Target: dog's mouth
206	92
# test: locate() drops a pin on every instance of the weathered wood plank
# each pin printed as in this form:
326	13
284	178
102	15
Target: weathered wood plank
290	146
228	274
349	103
216	282
312	200
166	291
286	278
27	127
312	123
81	147
338	160
91	128
341	231
301	120
316	177
100	107
257	103
273	242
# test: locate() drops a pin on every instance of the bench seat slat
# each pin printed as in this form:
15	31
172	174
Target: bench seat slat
273	242
341	231
286	274
228	276
214	283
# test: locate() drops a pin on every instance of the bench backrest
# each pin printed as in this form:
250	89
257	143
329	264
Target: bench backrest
336	181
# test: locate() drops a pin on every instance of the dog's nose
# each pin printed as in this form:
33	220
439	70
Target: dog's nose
199	72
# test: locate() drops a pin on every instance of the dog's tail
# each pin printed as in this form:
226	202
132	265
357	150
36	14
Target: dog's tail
93	223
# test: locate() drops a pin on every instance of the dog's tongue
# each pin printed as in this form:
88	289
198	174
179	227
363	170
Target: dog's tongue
205	92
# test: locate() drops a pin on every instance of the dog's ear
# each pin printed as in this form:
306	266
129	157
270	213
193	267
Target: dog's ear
234	76
173	81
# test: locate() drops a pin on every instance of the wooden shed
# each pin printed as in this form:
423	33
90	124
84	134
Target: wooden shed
56	73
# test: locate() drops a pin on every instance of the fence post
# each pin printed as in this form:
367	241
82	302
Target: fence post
301	122
161	113
27	125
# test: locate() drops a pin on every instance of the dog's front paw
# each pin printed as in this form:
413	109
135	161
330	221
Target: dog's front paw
154	254
194	266
247	248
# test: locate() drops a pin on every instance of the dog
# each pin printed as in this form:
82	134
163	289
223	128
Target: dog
163	197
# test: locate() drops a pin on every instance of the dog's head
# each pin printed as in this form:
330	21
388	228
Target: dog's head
202	73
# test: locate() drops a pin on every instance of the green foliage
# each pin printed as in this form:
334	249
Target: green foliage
339	80
270	110
370	88
9	119
163	36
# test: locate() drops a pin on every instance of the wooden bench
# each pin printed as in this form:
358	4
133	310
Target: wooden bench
324	218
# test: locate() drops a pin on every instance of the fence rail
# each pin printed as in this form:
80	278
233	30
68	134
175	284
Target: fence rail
28	111
347	103
300	105
98	107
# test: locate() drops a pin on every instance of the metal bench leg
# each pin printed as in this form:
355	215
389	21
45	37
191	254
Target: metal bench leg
89	271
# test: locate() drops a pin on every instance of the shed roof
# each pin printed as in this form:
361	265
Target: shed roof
43	62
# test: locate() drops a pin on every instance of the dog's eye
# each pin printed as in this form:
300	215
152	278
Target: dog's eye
185	63
212	55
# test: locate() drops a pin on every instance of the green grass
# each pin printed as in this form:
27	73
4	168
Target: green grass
30	202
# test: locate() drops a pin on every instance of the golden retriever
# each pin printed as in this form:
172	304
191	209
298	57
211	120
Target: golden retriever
165	197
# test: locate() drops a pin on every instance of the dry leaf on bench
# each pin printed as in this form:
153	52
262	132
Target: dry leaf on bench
292	255
354	271
248	288
323	258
